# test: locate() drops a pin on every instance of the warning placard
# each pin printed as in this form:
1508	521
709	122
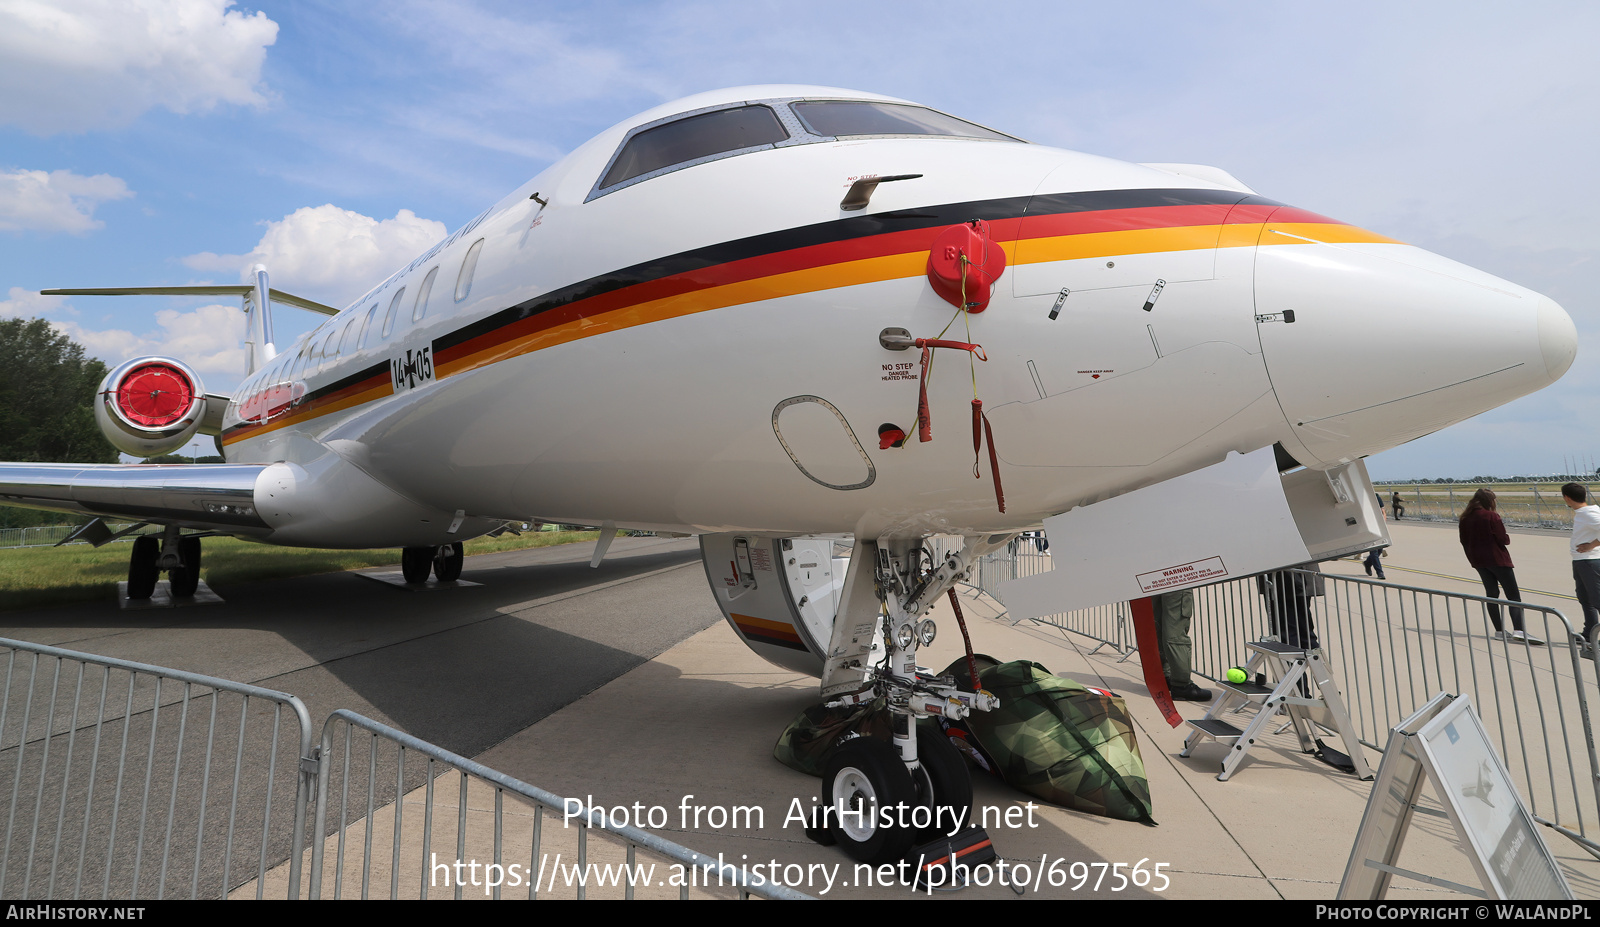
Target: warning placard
1185	574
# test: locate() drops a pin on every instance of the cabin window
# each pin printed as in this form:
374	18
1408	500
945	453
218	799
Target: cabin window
367	328
722	132
843	118
421	308
351	335
469	265
341	340
327	346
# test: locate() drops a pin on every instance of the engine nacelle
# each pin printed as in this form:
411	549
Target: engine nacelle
150	406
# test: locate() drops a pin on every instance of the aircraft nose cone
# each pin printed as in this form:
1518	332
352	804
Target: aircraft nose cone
1558	338
1390	342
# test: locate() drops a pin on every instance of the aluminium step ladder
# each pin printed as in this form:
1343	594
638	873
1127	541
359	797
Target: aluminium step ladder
1298	671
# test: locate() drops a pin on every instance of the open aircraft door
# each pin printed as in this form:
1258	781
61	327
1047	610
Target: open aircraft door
1248	514
779	595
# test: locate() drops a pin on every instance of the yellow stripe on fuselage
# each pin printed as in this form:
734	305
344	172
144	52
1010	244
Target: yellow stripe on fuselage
870	270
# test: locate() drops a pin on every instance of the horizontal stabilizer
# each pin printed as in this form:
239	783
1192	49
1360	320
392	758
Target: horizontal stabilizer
288	299
1236	518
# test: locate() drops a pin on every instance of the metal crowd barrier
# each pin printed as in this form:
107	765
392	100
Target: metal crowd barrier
493	830
133	781
137	781
1391	647
1532	503
46	535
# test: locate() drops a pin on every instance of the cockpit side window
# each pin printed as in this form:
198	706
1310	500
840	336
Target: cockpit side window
720	132
845	118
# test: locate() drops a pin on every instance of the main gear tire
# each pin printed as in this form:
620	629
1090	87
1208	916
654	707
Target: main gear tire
142	569
863	779
185	579
447	562
416	563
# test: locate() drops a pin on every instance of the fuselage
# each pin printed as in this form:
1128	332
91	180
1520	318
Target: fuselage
697	347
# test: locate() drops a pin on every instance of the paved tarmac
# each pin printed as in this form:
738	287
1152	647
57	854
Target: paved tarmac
692	730
623	685
463	668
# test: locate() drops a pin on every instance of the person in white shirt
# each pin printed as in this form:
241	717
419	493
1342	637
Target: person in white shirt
1585	558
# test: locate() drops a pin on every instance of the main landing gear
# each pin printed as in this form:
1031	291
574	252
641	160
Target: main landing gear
177	555
443	562
882	798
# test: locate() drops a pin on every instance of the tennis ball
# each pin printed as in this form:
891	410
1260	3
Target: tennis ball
1236	675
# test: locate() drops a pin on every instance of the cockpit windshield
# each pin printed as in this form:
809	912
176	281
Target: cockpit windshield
840	118
694	138
675	143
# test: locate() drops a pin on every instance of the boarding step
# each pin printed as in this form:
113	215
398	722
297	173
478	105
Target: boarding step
1222	731
1255	693
1302	689
1277	648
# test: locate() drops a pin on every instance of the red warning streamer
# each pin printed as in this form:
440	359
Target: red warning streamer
924	417
981	420
1144	632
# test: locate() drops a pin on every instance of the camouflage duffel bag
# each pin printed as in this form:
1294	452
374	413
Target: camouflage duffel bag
1057	739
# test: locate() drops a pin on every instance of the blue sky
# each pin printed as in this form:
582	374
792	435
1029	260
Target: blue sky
147	143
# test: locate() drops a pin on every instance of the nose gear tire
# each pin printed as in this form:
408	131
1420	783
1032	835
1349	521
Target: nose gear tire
944	783
866	775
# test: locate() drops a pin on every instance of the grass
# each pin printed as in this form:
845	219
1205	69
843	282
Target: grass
37	576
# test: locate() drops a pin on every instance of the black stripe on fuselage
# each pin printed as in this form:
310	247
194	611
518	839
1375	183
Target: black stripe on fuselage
837	230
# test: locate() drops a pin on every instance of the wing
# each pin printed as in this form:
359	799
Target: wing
219	497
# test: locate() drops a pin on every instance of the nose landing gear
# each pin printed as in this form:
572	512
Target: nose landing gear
881	798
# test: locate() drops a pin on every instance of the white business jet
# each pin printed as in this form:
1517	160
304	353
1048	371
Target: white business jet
771	315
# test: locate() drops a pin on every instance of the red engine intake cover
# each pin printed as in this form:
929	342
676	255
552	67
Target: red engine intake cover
155	395
966	246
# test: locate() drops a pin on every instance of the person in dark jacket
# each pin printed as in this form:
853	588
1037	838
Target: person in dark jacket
1288	594
1375	556
1484	538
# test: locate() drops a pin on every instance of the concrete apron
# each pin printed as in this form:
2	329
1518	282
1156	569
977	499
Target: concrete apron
692	733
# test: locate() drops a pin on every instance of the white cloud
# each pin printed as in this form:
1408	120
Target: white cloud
59	201
22	303
210	339
328	253
75	65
